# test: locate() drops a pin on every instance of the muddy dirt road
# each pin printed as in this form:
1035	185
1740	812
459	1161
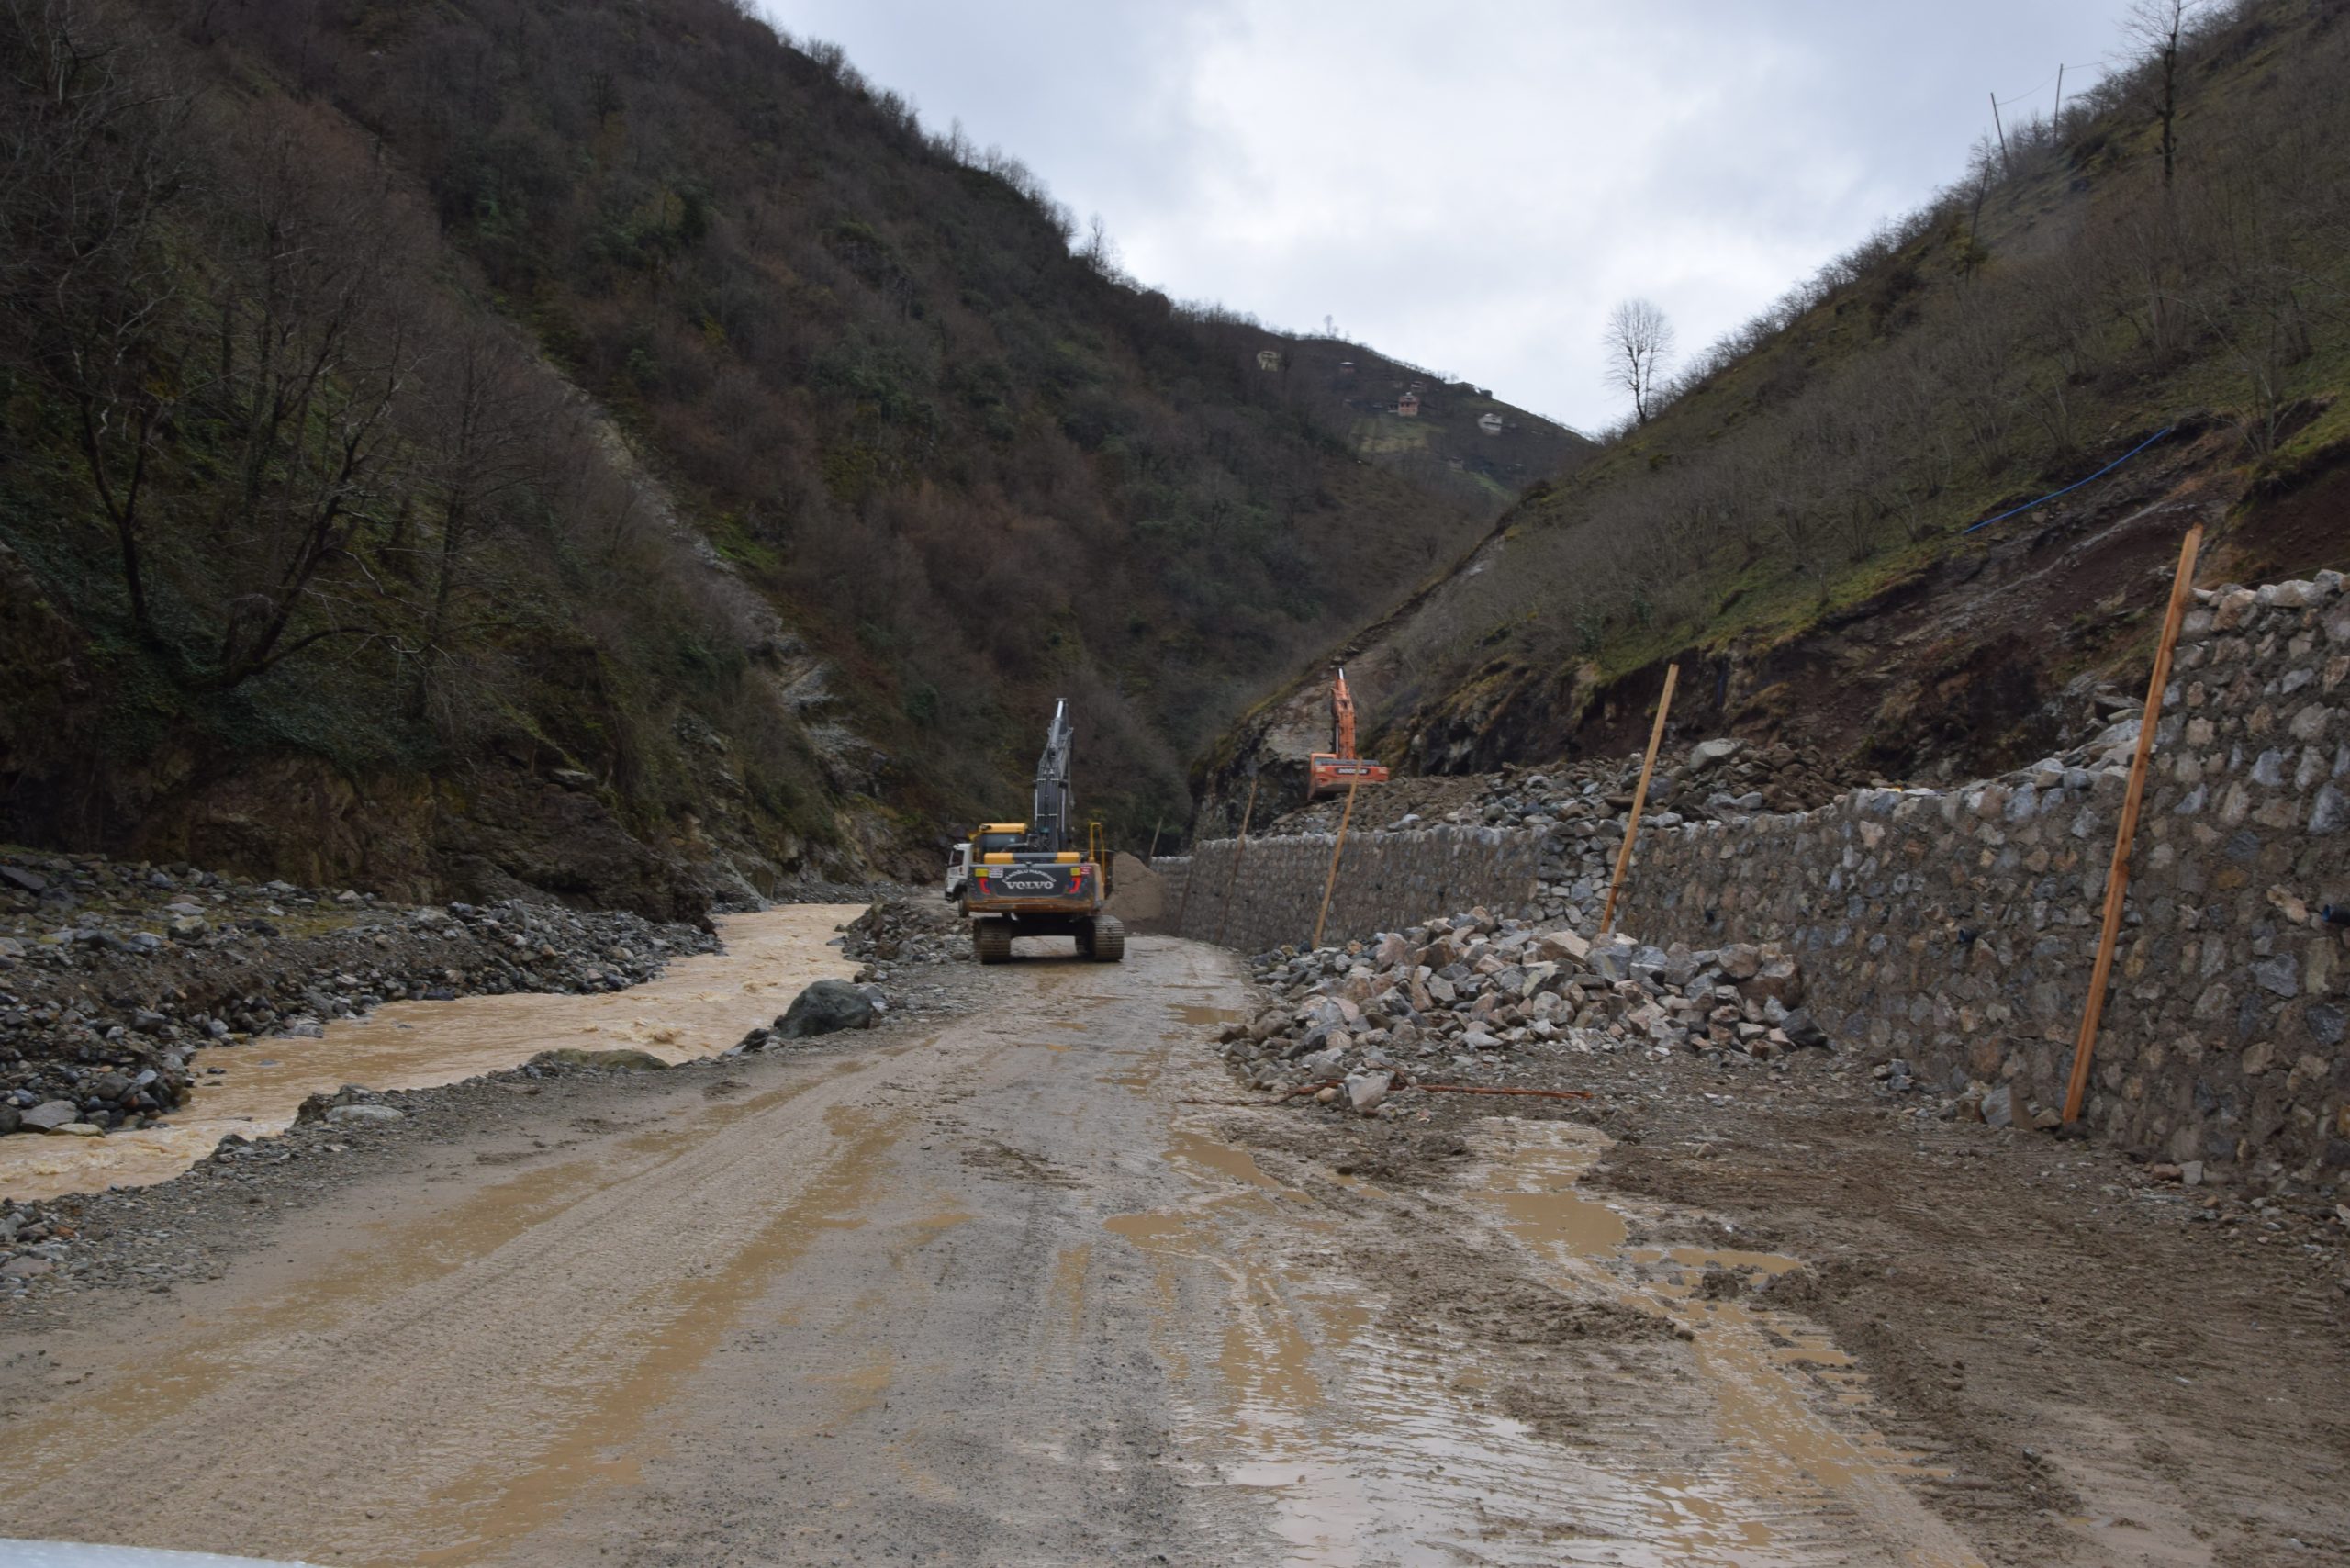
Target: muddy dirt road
1011	1290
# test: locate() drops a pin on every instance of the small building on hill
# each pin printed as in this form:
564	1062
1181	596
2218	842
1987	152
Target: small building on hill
1408	404
1269	359
1490	422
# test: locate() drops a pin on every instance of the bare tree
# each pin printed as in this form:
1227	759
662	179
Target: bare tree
488	425
316	344
2157	28
93	157
1639	341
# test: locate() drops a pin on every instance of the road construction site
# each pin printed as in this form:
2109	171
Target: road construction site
1034	1276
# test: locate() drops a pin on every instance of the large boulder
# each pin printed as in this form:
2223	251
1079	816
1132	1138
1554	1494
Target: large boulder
1714	753
626	1058
824	1008
51	1114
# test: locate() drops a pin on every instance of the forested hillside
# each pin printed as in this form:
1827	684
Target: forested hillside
2164	268
600	447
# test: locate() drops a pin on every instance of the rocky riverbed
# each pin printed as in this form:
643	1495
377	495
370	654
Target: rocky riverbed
112	973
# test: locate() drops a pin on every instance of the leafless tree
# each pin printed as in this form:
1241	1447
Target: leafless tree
1639	341
487	423
93	159
2157	29
316	344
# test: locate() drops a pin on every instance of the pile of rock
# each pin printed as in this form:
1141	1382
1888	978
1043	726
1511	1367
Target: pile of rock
1581	809
112	974
1713	780
1474	996
905	929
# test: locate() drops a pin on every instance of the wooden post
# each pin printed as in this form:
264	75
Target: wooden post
1640	798
2003	134
2117	876
1183	905
1331	882
1155	828
1238	849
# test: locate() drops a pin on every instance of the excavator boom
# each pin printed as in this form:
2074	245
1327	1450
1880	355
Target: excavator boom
1049	823
1339	768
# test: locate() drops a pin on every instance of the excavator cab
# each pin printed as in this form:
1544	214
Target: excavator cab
1334	771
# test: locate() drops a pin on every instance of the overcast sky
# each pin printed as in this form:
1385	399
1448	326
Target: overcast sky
1472	186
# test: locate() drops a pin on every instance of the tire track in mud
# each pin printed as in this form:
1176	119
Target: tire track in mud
432	1394
991	1296
1481	1370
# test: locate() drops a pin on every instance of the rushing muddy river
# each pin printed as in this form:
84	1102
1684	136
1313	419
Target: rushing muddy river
698	1007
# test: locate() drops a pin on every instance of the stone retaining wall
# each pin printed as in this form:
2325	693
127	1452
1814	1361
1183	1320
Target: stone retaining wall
1386	881
1957	928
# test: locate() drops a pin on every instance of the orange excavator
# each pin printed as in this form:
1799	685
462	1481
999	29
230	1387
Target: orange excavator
1330	772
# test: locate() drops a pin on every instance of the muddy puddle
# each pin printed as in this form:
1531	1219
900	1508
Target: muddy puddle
699	1006
1376	1434
1791	1450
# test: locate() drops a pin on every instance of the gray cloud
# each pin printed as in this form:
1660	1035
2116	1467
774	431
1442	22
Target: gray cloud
1473	187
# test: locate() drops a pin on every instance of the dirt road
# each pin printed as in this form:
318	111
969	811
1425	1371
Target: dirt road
1009	1291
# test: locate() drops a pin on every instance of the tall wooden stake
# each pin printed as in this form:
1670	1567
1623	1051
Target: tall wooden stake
1156	828
2003	133
2117	876
1331	882
1640	798
1238	851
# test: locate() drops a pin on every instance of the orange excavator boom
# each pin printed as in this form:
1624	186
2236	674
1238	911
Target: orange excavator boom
1333	771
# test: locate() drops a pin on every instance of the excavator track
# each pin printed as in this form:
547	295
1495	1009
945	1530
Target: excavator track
992	940
1108	945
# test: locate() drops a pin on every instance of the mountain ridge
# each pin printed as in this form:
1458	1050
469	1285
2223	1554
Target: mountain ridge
731	473
1793	526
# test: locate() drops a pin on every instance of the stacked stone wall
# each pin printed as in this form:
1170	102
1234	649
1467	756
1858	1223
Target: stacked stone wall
1957	928
1386	881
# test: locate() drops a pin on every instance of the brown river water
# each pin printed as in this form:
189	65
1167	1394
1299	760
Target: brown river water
698	1007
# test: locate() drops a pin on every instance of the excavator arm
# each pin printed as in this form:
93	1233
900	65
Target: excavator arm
1048	824
1337	768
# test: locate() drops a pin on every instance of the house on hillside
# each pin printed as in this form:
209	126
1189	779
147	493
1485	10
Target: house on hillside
1408	404
1490	422
1345	367
1269	359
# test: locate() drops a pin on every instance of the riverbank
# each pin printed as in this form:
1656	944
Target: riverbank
114	974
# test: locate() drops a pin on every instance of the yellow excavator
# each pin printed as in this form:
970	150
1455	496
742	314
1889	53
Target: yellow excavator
1332	772
1029	880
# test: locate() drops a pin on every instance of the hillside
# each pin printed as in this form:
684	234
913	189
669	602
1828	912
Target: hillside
1797	528
602	449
